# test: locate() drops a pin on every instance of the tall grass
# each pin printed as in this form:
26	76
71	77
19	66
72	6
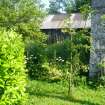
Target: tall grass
43	93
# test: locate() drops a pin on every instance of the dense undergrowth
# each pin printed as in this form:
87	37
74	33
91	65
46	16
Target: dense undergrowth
12	69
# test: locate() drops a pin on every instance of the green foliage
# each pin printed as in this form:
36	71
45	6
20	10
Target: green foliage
60	52
54	73
22	15
52	62
12	69
37	63
59	56
98	83
58	6
35	54
57	50
99	79
46	62
76	5
101	82
53	7
43	93
80	47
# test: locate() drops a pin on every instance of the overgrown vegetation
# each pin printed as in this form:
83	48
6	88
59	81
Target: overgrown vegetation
35	57
57	73
66	61
56	57
12	69
67	6
24	16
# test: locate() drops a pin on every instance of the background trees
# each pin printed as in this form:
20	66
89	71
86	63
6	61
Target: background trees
59	6
19	19
24	16
75	5
56	6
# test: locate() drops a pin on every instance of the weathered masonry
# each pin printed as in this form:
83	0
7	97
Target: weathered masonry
97	56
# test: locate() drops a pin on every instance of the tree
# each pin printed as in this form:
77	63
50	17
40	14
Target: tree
56	6
75	5
24	16
79	41
79	55
41	4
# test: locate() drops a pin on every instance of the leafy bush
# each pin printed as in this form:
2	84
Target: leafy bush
53	74
12	72
35	57
38	64
58	50
45	62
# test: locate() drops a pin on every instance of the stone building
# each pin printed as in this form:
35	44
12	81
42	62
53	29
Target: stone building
97	57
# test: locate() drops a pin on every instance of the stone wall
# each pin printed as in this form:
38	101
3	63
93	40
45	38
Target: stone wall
98	35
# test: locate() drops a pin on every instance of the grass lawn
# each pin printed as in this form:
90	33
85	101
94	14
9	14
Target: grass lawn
43	93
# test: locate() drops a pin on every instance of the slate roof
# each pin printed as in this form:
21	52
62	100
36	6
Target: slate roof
58	21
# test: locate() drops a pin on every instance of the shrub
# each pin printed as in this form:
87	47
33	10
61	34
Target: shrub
58	50
53	73
43	62
35	57
37	62
12	72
